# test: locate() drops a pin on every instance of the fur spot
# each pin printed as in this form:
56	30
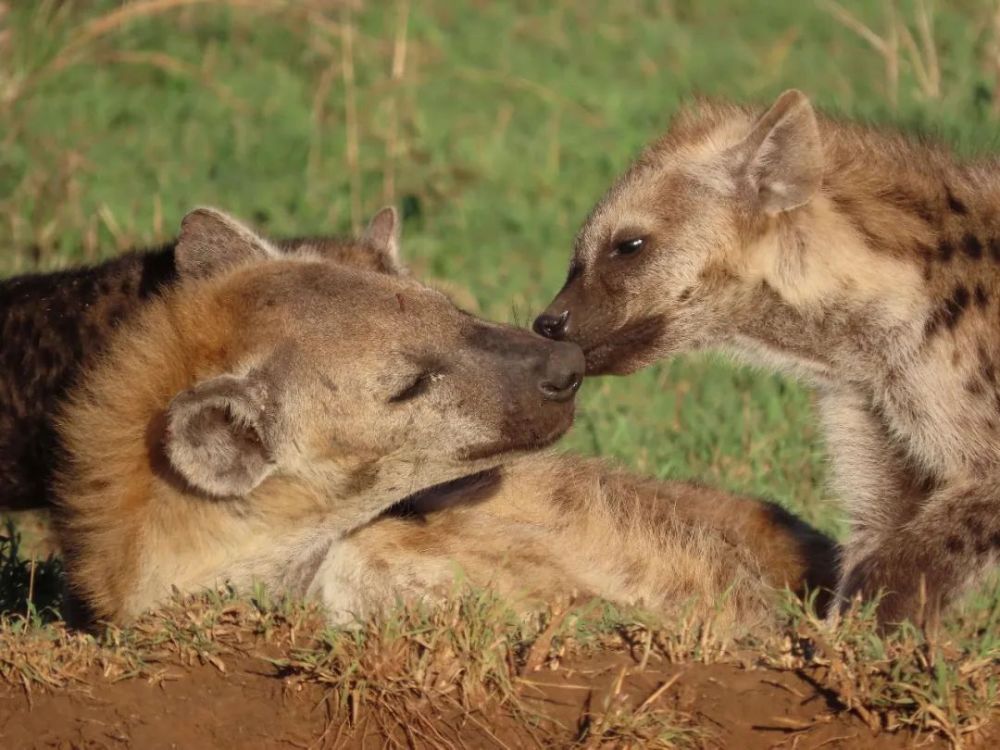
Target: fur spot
955	544
982	296
910	203
975	387
362	478
994	246
988	371
972	246
945	251
954	204
955	306
685	295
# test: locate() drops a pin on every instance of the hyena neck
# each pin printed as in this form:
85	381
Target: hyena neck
898	246
819	302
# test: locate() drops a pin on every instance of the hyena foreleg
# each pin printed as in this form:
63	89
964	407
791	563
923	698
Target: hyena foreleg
872	476
932	557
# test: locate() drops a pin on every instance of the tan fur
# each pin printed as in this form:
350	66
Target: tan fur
310	356
879	282
550	525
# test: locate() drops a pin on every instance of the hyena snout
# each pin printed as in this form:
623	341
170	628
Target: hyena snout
563	372
552	325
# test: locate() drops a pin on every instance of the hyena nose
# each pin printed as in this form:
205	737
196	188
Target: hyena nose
563	372
552	326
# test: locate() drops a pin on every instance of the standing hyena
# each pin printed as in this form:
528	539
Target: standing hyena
859	259
53	324
254	422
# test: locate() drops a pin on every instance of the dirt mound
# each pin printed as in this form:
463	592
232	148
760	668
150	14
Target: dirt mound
602	700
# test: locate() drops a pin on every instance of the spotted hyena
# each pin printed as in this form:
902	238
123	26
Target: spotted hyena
256	423
53	324
864	261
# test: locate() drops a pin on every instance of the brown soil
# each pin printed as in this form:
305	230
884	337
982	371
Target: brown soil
250	705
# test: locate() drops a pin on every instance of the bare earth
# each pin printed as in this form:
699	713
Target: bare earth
250	704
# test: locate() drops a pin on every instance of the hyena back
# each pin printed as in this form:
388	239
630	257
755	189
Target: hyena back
862	260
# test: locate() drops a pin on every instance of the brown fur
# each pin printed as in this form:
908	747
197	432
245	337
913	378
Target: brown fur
860	259
306	367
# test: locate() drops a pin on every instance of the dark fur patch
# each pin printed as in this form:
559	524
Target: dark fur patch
910	203
945	251
994	245
955	306
972	246
974	387
982	296
50	325
954	204
955	544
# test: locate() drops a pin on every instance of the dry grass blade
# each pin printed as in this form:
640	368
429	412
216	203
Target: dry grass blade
351	118
887	46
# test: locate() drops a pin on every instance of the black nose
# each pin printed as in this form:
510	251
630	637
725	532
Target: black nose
552	326
563	372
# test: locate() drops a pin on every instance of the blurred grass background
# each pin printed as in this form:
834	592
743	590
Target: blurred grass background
494	125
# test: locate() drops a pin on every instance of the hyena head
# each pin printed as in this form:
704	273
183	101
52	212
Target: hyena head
667	254
357	385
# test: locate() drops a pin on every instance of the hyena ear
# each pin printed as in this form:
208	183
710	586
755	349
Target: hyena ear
219	435
783	155
382	236
211	241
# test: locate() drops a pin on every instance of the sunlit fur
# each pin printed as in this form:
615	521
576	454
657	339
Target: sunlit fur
320	344
879	283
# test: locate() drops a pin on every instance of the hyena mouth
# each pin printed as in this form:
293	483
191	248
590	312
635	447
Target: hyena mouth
523	437
628	348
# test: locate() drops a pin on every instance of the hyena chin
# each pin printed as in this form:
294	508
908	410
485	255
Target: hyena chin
864	261
257	422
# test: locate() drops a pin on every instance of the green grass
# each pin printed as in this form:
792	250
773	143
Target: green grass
506	123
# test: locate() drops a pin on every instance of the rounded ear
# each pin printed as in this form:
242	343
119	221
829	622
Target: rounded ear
783	155
382	236
211	241
218	436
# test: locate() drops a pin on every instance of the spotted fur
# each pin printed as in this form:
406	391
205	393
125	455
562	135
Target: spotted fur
269	420
863	260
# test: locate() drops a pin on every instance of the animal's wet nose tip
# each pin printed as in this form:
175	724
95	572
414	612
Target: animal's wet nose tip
552	326
563	373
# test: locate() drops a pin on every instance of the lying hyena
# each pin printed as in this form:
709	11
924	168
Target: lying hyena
254	423
859	259
53	324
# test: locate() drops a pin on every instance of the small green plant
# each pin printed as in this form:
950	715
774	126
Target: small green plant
29	588
943	681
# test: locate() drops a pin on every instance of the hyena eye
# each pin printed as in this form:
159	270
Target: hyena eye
629	247
417	387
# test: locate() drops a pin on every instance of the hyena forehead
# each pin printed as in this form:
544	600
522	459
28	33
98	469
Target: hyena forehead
657	199
686	171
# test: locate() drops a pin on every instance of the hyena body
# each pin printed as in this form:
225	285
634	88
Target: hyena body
52	325
863	261
256	422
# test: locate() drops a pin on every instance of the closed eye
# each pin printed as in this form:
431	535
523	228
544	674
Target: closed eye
417	387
